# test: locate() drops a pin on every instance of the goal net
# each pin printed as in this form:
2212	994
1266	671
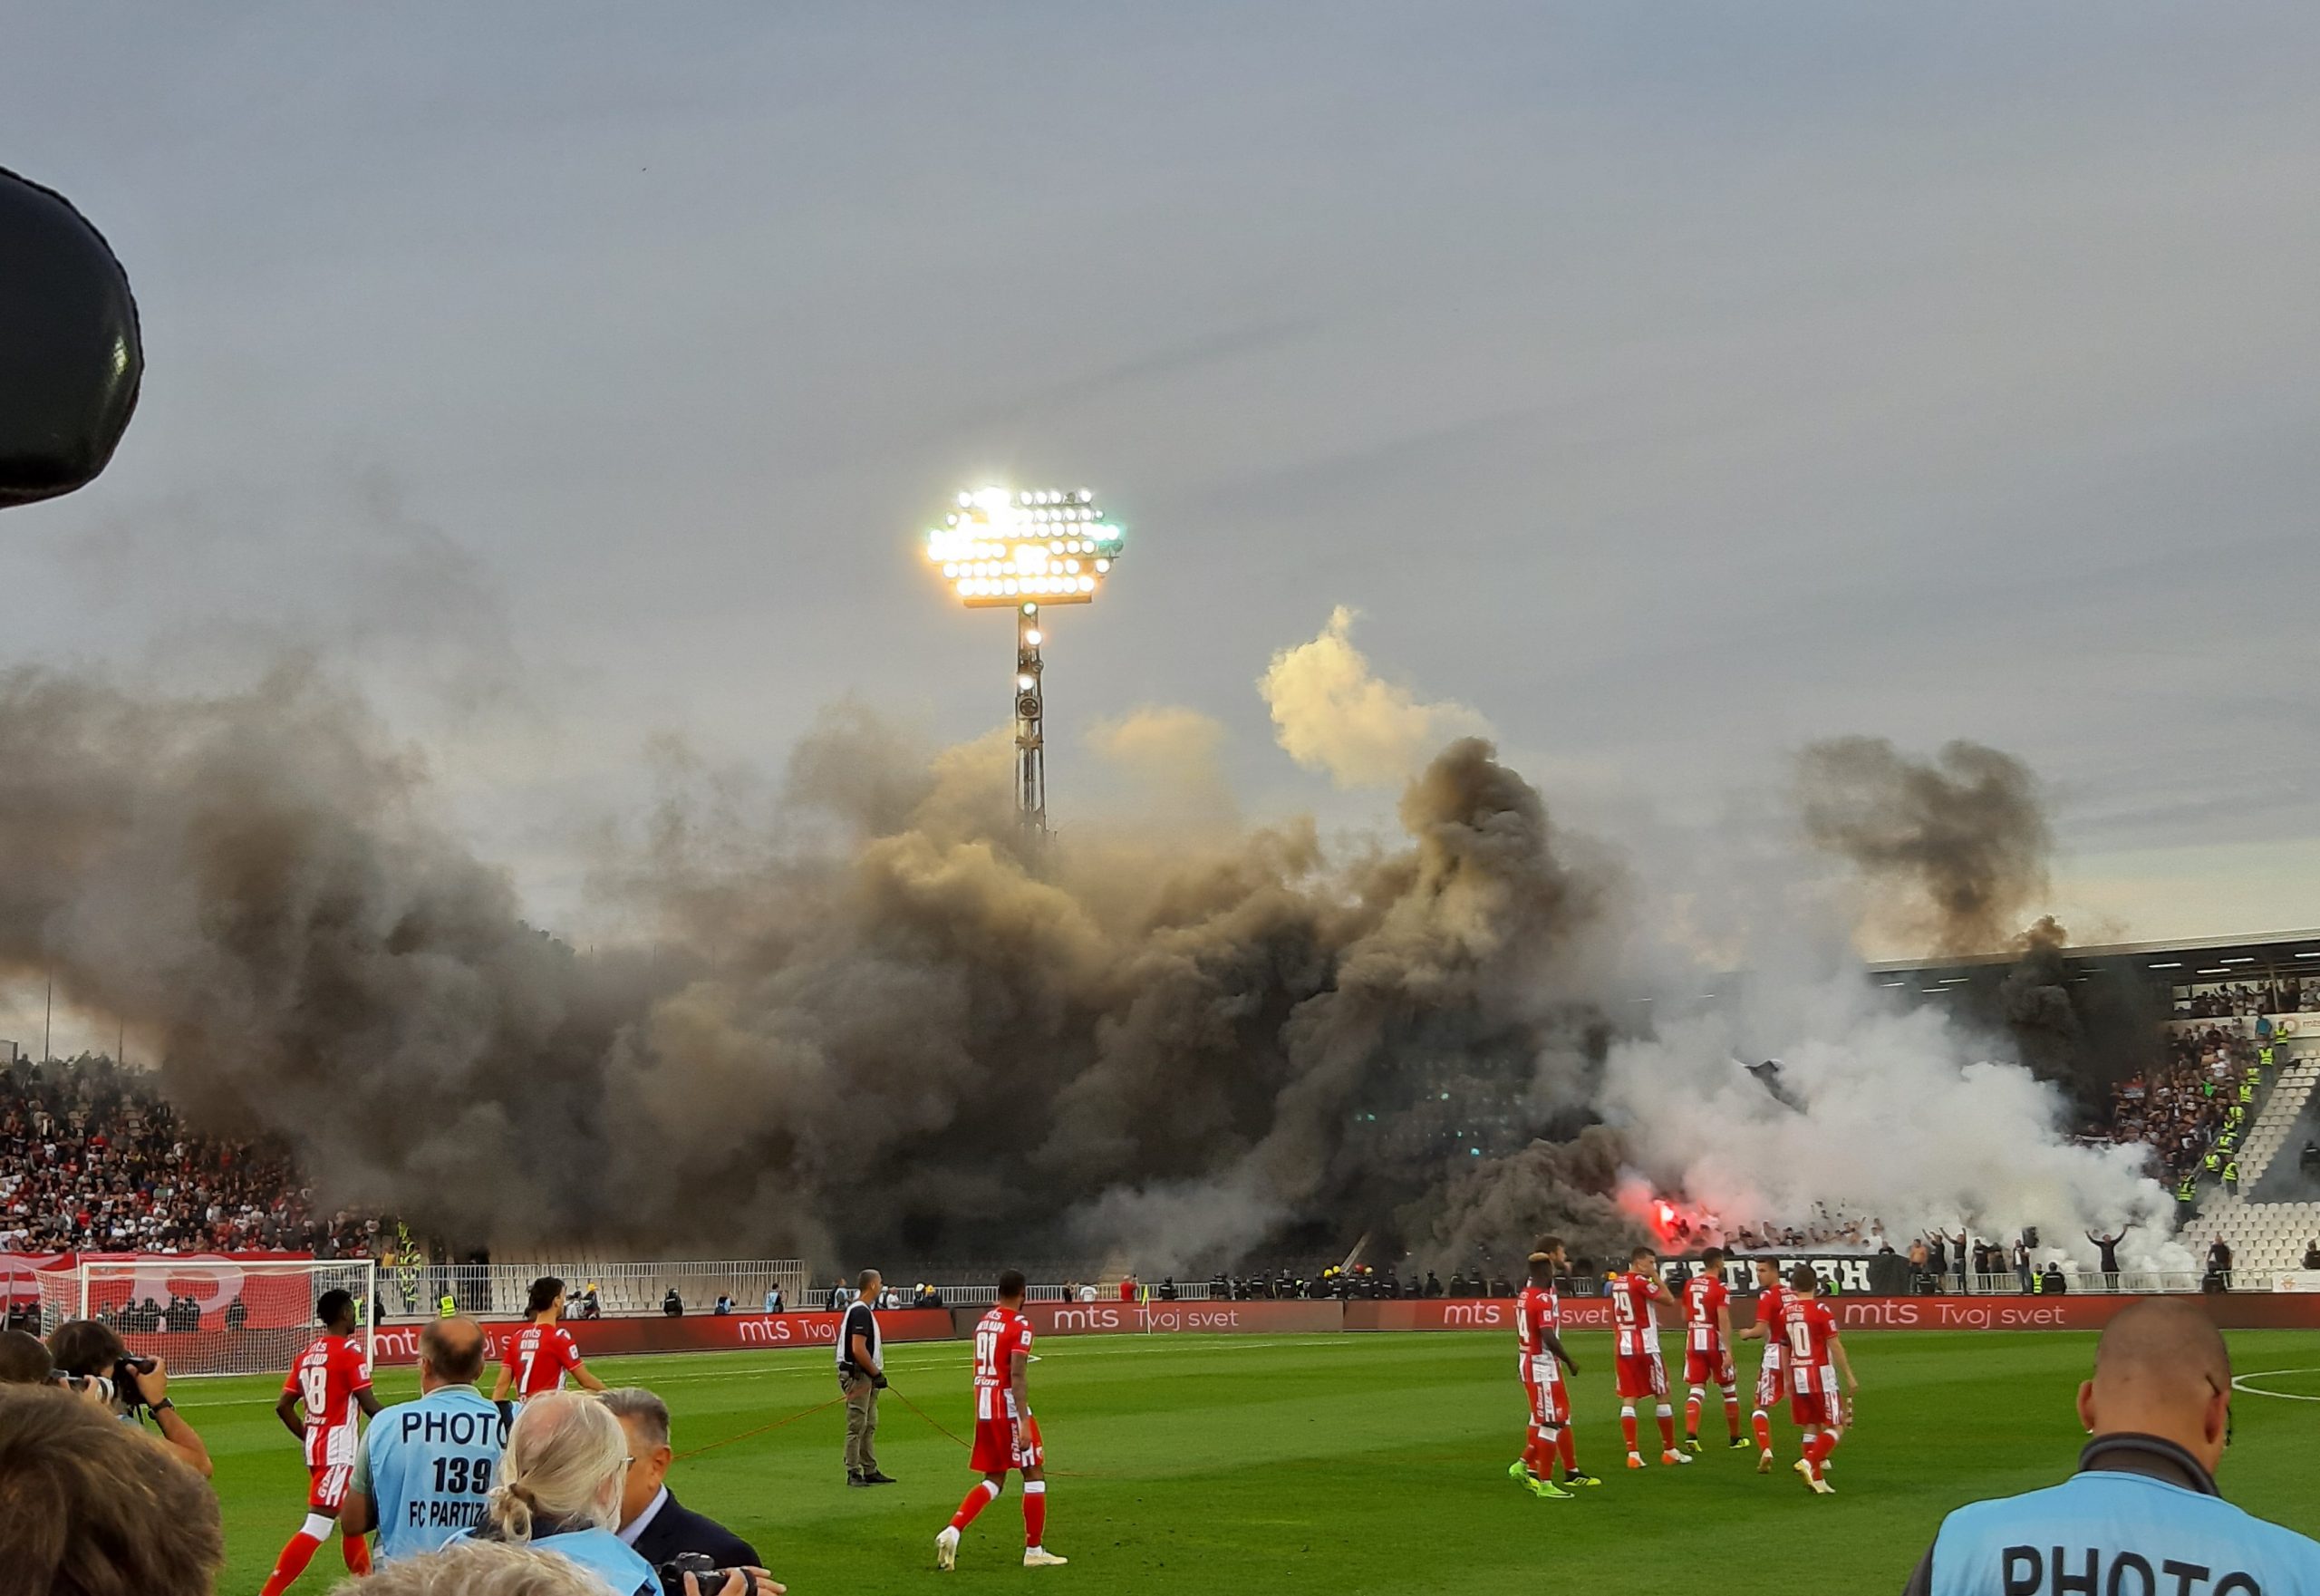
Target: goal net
210	1315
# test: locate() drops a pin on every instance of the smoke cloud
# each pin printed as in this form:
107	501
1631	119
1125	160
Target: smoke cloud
1331	713
1953	848
850	1016
1883	1113
866	1023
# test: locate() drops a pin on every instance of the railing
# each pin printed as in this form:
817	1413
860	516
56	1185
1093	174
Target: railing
622	1290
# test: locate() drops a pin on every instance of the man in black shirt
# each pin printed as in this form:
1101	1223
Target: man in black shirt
861	1375
2108	1247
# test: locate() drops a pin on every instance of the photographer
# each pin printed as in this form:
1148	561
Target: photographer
651	1518
424	1465
2142	1513
85	1349
861	1375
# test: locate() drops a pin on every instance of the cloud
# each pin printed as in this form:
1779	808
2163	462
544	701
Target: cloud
1331	713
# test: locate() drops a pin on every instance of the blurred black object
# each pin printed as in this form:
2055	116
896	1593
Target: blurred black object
70	357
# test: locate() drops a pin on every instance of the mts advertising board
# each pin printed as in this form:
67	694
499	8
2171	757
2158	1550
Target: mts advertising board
1202	1318
398	1344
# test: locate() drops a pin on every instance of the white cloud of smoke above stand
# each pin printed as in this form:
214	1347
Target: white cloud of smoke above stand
852	1019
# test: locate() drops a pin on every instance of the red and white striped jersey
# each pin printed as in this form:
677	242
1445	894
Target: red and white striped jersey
1807	1326
326	1376
1635	1313
538	1357
1000	1334
1704	1294
1769	1303
1538	1314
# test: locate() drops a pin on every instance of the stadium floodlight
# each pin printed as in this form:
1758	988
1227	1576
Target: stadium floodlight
1018	549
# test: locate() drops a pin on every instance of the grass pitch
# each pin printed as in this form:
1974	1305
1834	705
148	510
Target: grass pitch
1336	1464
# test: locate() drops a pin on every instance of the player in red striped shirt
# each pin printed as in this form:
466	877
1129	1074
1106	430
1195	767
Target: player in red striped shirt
1636	1297
1707	1348
1772	1379
1541	1360
543	1352
1816	1356
331	1377
1007	1437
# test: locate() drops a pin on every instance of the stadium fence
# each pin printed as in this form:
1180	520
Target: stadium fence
499	1291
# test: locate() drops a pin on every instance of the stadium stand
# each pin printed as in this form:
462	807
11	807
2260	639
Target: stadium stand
2265	1236
92	1159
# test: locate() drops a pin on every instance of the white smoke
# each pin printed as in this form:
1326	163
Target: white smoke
1331	713
1894	1115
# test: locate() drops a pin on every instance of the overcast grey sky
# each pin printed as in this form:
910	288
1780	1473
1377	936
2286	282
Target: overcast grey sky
1671	383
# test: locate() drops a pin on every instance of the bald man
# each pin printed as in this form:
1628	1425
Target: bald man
426	1466
2142	1513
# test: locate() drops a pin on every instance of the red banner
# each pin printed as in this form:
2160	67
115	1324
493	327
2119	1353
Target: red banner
398	1344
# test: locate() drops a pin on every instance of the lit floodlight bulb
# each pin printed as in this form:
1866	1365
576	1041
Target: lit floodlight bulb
1011	584
1031	609
965	500
1103	565
1026	682
1072	567
1032	636
1087	584
990	499
951	569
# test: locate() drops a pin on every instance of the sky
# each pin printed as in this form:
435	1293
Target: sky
1669	386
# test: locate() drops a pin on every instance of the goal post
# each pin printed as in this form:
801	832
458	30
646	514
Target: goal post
215	1315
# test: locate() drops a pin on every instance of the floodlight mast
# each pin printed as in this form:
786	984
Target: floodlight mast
1025	550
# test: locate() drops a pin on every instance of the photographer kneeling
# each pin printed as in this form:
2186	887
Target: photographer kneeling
84	1349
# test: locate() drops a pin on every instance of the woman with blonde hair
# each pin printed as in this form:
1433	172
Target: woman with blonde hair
558	1488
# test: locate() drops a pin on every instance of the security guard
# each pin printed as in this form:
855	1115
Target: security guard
446	1306
2142	1513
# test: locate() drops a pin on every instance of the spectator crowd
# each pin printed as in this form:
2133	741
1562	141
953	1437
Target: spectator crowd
91	1159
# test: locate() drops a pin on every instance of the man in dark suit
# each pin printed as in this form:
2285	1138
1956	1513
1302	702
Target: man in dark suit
652	1520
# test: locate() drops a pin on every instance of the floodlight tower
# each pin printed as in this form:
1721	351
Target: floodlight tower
1021	550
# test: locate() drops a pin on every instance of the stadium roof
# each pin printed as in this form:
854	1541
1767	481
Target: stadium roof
2214	957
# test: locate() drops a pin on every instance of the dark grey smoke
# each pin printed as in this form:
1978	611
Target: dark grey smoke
1955	847
865	1024
1492	1213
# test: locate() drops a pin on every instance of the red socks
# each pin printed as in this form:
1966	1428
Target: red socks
1035	1511
1692	1415
1732	1413
291	1563
1570	1451
1667	1429
1817	1449
981	1497
357	1553
1764	1427
1626	1427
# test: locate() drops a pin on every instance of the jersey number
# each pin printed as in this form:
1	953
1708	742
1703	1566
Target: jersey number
313	1383
1799	1340
456	1475
1623	1306
987	1351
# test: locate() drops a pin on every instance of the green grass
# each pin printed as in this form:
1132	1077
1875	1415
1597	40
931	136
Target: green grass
1337	1463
